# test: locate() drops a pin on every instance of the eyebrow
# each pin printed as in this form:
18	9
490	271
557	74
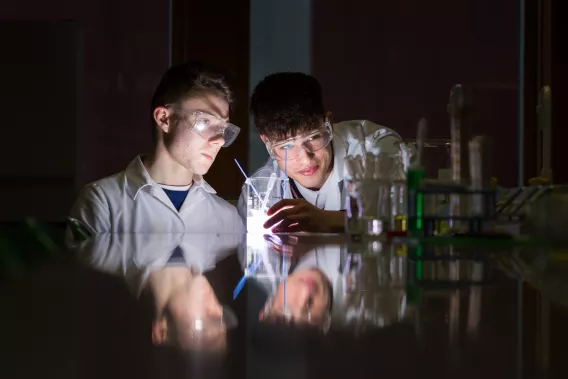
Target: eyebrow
214	112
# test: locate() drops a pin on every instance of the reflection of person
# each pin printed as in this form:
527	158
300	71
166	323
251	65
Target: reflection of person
135	255
300	285
187	312
303	141
164	191
303	297
166	272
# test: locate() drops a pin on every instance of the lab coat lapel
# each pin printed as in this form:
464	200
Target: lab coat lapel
194	197
159	194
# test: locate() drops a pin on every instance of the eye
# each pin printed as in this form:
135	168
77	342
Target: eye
201	124
315	137
286	146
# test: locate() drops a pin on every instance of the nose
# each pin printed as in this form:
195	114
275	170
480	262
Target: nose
212	307
217	141
305	155
299	300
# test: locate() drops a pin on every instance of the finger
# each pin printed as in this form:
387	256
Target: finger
281	240
294	228
272	238
287	224
286	213
283	249
292	219
295	215
282	204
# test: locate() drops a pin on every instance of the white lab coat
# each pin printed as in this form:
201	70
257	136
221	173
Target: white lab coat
135	255
346	141
131	202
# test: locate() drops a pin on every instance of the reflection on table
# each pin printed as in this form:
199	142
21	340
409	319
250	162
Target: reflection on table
288	305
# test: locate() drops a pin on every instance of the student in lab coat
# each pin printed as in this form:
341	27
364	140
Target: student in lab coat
164	191
292	122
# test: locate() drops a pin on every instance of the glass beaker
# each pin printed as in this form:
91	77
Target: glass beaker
262	193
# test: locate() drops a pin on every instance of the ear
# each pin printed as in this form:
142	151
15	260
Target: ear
263	138
162	118
329	117
159	331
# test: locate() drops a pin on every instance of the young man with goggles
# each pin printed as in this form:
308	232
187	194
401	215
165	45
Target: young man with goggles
301	138
164	191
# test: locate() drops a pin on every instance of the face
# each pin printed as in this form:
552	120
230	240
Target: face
310	169
194	317
306	297
188	149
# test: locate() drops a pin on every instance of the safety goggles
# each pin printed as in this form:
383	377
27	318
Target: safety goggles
211	127
291	148
301	317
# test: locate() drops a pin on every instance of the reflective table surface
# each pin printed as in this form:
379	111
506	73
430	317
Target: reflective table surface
284	306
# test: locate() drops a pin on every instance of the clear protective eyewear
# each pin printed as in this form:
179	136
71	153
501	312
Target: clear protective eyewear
291	148
211	127
303	317
201	326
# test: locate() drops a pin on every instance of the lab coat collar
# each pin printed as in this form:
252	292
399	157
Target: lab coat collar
339	152
137	177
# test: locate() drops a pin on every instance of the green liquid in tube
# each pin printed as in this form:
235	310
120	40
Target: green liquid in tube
414	180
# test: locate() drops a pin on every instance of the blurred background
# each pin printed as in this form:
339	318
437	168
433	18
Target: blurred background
77	79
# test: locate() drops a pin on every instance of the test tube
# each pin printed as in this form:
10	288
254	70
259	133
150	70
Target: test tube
414	178
455	109
398	196
480	175
358	167
383	171
369	165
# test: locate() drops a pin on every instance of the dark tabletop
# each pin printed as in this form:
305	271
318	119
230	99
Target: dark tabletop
440	312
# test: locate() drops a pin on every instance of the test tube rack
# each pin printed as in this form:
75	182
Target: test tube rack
429	223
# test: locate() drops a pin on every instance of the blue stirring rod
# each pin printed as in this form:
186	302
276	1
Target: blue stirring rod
247	180
285	174
243	280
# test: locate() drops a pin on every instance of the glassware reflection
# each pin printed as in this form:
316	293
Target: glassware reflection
374	294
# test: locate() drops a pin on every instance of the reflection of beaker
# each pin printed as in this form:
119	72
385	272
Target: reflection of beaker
367	206
262	193
376	291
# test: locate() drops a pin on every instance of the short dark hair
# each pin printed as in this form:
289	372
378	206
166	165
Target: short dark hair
190	79
287	103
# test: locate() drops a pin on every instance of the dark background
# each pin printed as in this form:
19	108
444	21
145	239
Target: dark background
77	78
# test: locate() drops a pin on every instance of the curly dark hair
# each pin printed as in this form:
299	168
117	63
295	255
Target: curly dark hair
287	103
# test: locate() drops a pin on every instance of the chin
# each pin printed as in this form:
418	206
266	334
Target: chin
201	167
201	171
309	182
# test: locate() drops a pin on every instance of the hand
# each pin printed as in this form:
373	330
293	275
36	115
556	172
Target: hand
297	215
288	245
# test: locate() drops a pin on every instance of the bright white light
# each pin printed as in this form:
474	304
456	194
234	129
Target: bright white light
198	325
200	125
255	222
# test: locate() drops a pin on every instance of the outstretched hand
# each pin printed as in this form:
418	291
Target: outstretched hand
298	215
